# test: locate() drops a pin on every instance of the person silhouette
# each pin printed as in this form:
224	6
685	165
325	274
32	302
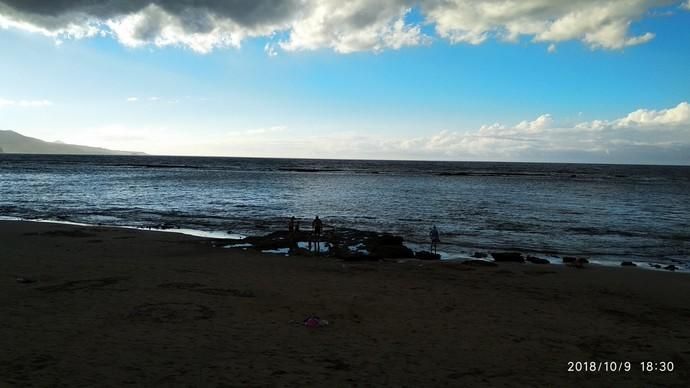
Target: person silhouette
317	227
434	236
291	224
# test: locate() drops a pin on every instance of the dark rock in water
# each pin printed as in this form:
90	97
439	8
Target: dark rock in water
385	239
575	260
425	255
514	257
628	264
479	255
275	240
670	267
537	260
296	251
653	265
480	263
387	246
343	252
371	245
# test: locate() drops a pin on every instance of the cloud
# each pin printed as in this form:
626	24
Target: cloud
599	23
643	136
132	99
270	50
351	26
686	5
344	26
678	116
24	103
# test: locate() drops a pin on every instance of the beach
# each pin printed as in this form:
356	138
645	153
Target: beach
92	306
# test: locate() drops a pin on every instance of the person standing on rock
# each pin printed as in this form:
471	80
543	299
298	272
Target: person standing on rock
291	225
435	239
292	229
317	227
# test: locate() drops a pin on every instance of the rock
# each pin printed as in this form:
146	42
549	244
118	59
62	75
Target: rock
578	262
479	255
480	263
343	252
670	267
537	260
377	246
575	260
628	264
387	246
425	255
514	257
385	239
653	265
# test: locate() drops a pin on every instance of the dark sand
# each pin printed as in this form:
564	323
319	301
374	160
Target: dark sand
117	307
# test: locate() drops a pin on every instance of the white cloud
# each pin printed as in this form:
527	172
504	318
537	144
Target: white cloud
538	125
339	25
643	136
270	50
153	25
644	133
25	103
132	99
344	26
598	23
678	116
551	49
686	5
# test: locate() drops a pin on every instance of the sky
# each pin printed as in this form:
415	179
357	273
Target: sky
486	80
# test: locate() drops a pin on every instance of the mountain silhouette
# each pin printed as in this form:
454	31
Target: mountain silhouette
14	143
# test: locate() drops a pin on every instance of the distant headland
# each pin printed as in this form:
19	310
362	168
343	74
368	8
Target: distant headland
15	143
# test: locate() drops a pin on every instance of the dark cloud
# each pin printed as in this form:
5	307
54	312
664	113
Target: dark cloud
342	25
193	12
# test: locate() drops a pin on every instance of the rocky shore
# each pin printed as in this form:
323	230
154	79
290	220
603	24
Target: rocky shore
356	245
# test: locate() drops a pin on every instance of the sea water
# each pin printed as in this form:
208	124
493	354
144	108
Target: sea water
609	213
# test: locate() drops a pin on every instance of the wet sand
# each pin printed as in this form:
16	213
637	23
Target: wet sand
118	307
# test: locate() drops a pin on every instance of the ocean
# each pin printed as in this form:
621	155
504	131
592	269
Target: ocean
609	213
